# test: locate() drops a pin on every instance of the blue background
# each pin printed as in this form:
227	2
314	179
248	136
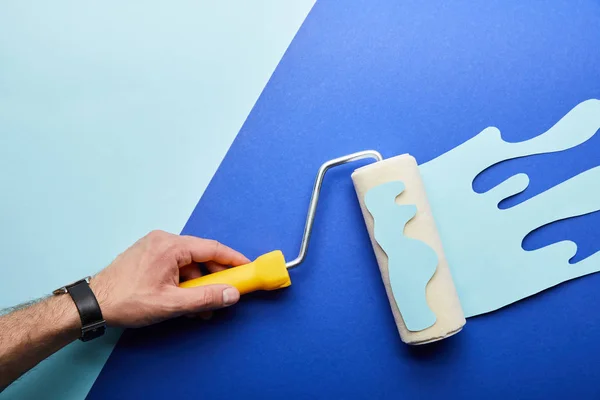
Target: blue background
409	76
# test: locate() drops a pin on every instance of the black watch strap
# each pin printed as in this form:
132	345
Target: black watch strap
92	322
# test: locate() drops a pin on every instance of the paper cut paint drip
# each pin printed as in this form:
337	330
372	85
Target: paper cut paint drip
411	262
483	244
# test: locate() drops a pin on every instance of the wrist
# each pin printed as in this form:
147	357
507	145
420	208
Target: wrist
66	317
99	288
83	297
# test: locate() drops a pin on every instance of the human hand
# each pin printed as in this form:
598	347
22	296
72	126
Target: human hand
140	287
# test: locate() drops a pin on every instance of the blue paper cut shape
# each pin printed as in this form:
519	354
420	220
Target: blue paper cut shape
411	262
483	244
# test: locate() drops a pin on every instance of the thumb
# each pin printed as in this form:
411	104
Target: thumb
205	298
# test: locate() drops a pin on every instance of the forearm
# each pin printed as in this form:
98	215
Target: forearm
30	334
138	288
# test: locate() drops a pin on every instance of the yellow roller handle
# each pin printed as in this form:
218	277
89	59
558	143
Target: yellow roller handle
267	272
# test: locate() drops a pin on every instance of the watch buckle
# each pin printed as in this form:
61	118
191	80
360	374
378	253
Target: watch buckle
63	290
93	328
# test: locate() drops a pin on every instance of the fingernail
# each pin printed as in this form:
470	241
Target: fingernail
230	296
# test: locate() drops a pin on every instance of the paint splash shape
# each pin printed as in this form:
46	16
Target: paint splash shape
483	244
411	262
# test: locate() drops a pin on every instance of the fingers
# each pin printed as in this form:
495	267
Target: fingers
213	267
190	271
206	298
203	250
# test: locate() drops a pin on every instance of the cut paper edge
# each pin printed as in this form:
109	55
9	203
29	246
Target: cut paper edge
490	267
408	284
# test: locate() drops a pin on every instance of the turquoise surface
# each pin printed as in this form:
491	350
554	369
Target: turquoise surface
114	117
411	262
483	243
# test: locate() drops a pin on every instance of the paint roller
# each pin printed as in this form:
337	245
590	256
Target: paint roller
435	289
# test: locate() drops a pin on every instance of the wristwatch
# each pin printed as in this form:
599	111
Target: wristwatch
92	322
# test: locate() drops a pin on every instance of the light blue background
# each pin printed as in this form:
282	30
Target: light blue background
113	119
